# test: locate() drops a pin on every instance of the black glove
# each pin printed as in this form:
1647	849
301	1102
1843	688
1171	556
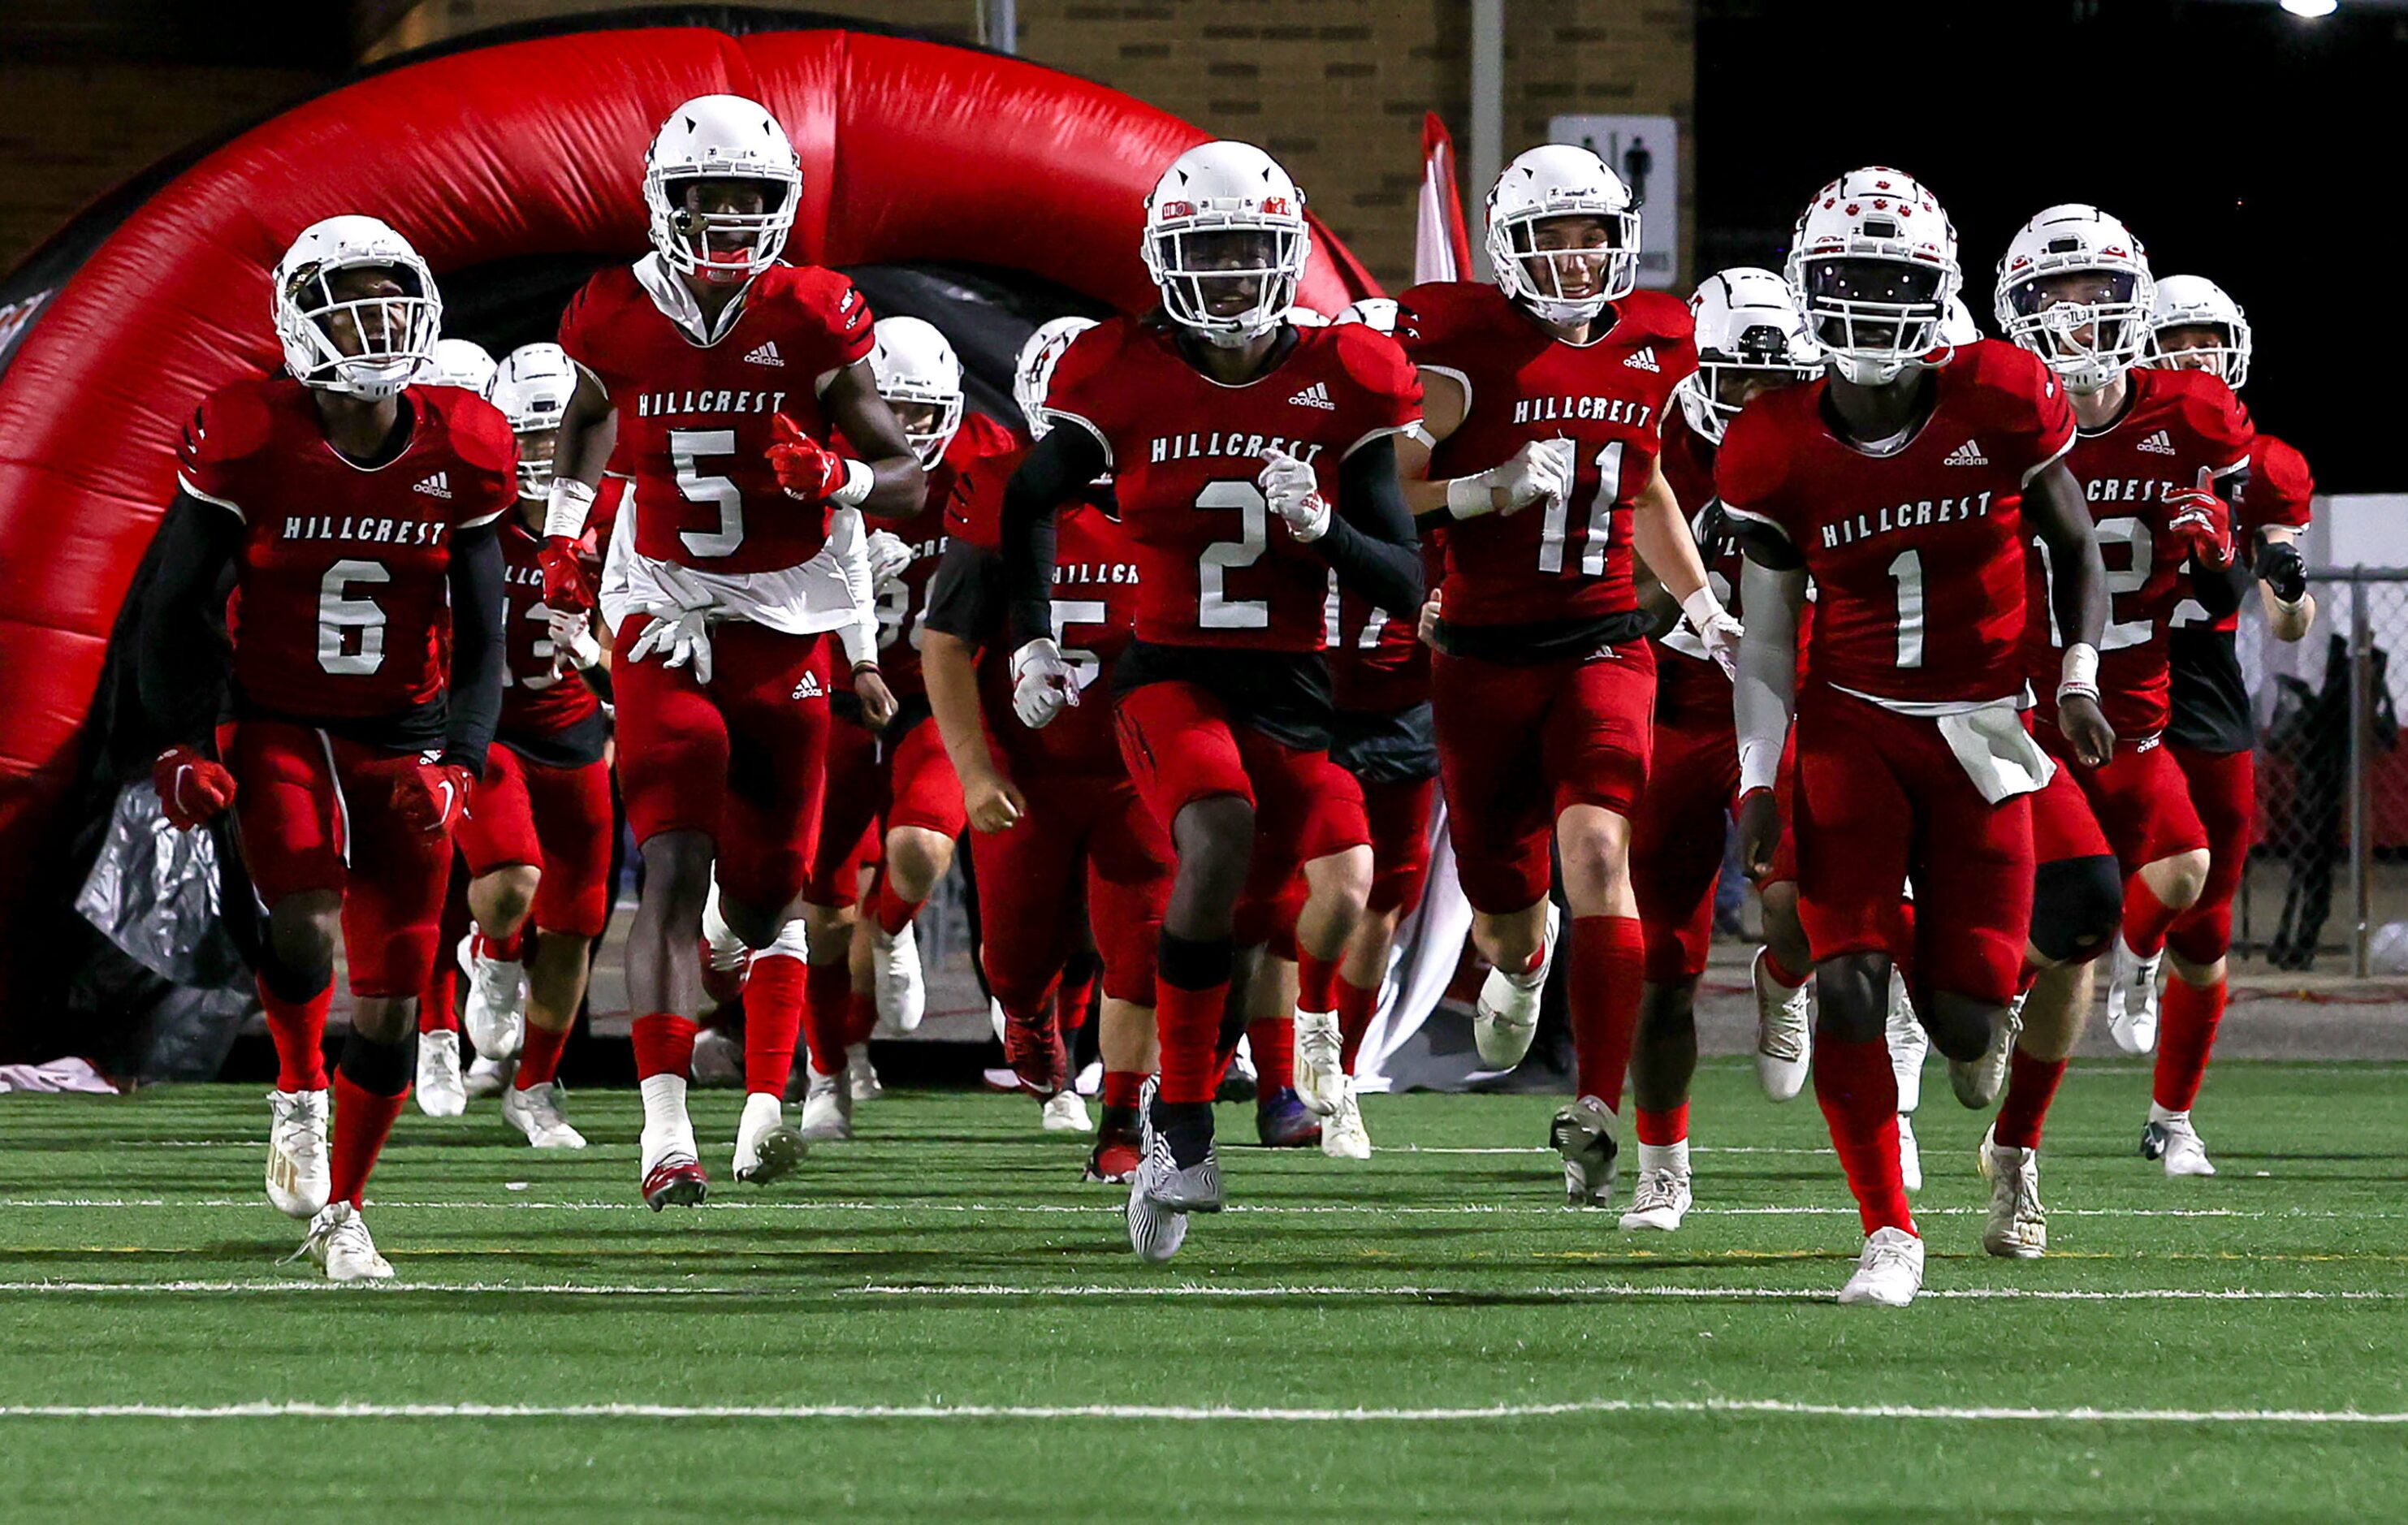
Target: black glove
2281	567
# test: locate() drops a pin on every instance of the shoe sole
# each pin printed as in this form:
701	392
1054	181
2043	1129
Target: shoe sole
775	1157
684	1193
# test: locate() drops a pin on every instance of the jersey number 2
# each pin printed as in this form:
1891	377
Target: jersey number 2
1214	608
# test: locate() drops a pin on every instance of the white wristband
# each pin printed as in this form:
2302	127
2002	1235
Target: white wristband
1469	497
1700	607
858	481
2080	671
565	511
1759	762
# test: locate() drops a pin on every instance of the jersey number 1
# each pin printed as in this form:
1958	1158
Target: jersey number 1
1600	519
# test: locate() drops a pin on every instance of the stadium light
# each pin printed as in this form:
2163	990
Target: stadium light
2310	8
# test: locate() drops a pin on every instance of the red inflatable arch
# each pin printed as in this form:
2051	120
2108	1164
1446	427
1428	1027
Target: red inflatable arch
911	149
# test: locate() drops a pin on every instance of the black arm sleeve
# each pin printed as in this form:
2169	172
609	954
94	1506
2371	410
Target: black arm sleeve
966	596
2219	589
1370	539
181	660
1058	469
475	694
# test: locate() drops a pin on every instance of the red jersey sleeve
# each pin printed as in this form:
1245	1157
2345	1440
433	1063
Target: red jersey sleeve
489	457
2038	419
2219	420
1749	470
2280	487
229	425
830	308
1391	388
577	321
1429	319
1082	394
974	509
1675	330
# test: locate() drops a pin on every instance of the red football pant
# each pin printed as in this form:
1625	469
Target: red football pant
556	818
1030	872
850	811
2224	790
1399	815
2140	800
1676	843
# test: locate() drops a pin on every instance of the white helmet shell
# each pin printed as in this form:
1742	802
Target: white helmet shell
1553	180
396	334
1032	370
721	137
2089	344
1378	312
1873	261
2196	302
1216	188
460	363
916	364
532	390
1747	321
1959	329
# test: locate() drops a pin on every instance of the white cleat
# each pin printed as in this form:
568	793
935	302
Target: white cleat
442	1093
2173	1140
902	995
1506	1017
1978	1081
494	1012
298	1178
1342	1133
2132	999
1582	1133
1889	1273
766	1148
338	1244
487	1077
827	1110
1910	1154
1320	1069
718	1061
2018	1226
535	1112
860	1078
1660	1203
1785	1031
1162	1195
1065	1112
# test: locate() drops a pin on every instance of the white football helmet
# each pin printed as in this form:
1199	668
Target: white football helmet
394	336
2091	337
1301	316
1873	262
1032	370
1748	327
2196	302
1552	181
460	363
1225	229
915	365
1378	312
532	390
1958	329
721	137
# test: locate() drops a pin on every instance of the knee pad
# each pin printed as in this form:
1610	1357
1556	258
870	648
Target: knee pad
1852	997
2077	905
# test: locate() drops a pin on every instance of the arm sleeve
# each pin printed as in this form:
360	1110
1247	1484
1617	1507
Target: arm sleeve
477	650
1763	690
2219	589
966	596
848	541
1370	539
181	659
1063	462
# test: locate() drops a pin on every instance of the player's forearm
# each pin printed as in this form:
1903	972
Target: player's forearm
1763	689
1660	536
950	667
474	693
1370	541
849	543
2287	621
1062	464
899	487
179	667
2056	509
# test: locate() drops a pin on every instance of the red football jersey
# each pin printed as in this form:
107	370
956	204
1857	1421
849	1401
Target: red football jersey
2279	493
1694	686
1521	383
2180	429
1377	662
1917	555
1219	568
542	697
346	609
902	603
695	420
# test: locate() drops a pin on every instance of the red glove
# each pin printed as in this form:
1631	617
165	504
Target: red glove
567	587
192	790
806	468
2201	523
431	796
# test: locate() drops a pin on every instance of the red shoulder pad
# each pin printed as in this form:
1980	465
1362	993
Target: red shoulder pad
1661	314
2214	414
2281	489
1375	362
480	432
1750	467
827	300
1432	314
982	436
231	423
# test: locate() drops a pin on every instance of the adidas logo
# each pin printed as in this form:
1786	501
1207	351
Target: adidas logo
1644	360
1315	395
765	353
2159	443
1967	454
437	486
809	688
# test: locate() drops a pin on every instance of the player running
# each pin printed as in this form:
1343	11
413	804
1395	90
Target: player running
1901	483
711	372
356	515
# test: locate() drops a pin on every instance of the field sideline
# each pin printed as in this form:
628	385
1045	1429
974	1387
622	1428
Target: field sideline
941	1318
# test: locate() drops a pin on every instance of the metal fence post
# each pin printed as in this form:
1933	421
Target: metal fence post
2361	824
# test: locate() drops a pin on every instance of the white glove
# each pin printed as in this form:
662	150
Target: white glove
572	638
1295	494
888	556
1715	627
1042	684
1540	471
682	639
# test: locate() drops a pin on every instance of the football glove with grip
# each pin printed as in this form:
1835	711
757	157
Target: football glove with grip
681	640
572	638
432	797
811	472
1540	471
193	790
889	556
2282	568
1042	684
1715	627
567	587
1295	494
2201	523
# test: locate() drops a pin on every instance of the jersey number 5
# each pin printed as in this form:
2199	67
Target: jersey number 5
687	449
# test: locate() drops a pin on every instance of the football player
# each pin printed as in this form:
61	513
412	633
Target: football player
1541	482
718	371
355	514
1750	339
1248	457
1902	481
2196	326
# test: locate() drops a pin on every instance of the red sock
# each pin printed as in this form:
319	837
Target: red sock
299	1031
1121	1088
2185	1036
510	950
2145	918
539	1060
1780	972
893	912
1189	1025
827	1003
773	1015
1356	1006
1858	1094
1317	983
1273	1040
1077	996
2032	1084
362	1120
860	1016
1608	954
663	1045
1670	1126
439	1005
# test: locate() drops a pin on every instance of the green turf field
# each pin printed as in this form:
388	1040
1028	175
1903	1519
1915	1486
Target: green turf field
940	1321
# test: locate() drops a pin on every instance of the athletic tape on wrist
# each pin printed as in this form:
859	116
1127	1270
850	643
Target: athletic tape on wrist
565	511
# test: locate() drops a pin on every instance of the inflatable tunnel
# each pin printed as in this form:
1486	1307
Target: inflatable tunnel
513	160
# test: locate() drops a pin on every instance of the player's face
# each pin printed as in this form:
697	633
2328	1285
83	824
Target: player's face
916	418
1880	283
2076	288
2193	347
1572	255
535	451
1237	259
380	322
718	197
1735	385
